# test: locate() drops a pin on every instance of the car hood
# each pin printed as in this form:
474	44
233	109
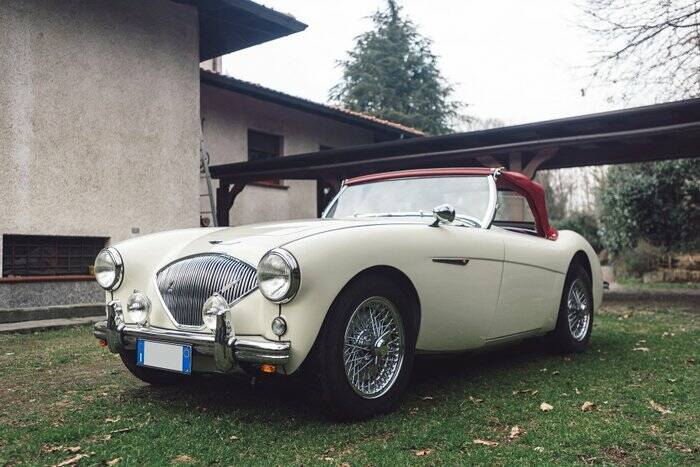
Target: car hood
248	243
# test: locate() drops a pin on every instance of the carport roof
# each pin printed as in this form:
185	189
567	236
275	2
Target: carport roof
229	25
662	131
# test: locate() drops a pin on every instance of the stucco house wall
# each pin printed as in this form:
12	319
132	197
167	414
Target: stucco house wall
99	127
227	117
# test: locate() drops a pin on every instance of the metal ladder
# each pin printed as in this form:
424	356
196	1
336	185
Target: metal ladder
204	168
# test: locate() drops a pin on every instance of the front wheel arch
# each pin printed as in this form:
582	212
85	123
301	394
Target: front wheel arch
396	275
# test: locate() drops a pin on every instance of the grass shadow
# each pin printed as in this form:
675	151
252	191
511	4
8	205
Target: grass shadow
284	398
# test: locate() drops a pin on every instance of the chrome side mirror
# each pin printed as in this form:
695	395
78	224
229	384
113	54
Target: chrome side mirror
444	214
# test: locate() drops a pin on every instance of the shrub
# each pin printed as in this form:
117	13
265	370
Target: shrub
636	261
657	202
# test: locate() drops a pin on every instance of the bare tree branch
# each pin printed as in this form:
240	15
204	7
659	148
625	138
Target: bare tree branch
648	48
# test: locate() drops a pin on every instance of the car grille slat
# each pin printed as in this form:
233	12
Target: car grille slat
186	284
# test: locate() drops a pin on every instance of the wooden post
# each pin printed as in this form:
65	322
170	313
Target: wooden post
225	197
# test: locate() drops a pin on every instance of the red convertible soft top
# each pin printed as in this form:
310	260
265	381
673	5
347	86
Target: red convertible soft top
515	181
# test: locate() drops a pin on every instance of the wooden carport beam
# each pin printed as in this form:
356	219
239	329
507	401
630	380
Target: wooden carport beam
489	161
515	162
542	156
333	182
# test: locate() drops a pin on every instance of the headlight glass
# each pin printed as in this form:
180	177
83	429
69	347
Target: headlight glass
108	269
278	276
139	307
214	306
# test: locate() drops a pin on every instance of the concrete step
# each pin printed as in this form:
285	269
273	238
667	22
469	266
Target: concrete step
79	310
46	324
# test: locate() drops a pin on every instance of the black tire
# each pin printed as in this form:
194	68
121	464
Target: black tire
341	402
564	339
149	375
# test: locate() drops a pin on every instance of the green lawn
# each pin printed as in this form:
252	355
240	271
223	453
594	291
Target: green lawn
63	396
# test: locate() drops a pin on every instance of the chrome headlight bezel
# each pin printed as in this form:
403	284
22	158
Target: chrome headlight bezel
269	270
111	255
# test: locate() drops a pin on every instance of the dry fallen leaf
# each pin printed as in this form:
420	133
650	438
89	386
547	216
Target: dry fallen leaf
47	448
73	449
485	442
532	392
659	408
539	449
72	460
640	349
183	459
588	406
516	432
114	461
554	373
422	452
544	407
475	400
233	438
690	360
681	448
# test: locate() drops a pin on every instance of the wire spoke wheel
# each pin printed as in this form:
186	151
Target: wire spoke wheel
373	348
578	310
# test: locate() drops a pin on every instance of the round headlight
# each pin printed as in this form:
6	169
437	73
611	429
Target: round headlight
138	306
214	306
109	268
278	276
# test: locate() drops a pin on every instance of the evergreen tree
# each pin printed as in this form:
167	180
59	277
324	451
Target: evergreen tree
392	74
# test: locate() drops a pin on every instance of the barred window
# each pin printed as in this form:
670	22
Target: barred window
43	255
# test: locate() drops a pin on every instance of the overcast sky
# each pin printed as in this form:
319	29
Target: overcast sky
519	61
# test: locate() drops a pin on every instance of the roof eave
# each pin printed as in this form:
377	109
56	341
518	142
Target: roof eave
279	98
226	26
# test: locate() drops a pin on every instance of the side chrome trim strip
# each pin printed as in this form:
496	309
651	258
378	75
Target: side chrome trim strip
453	261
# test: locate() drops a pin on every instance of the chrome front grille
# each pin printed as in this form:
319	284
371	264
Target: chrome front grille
186	284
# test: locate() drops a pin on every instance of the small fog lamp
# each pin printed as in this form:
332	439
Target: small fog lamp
138	307
279	326
214	306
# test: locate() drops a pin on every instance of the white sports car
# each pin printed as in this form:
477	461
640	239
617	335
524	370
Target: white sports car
401	263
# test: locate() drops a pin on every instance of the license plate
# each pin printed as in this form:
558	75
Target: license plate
172	357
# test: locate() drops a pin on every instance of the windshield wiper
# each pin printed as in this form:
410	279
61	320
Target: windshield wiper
392	214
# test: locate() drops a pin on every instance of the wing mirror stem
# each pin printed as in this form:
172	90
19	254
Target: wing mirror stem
444	214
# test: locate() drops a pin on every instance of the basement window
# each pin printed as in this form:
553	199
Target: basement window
44	255
264	146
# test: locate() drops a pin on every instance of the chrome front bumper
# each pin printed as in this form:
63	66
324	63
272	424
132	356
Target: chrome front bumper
226	350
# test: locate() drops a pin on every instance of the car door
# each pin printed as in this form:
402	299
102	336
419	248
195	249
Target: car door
459	284
529	282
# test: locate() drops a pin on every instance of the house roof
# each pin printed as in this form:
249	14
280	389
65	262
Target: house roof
387	129
226	26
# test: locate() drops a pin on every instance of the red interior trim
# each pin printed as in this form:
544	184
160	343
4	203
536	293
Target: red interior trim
69	278
534	194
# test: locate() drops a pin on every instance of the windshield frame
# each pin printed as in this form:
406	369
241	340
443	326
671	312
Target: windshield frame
485	222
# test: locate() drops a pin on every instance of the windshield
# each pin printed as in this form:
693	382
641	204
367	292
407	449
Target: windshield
472	197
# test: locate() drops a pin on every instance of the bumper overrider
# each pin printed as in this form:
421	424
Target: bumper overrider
226	349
